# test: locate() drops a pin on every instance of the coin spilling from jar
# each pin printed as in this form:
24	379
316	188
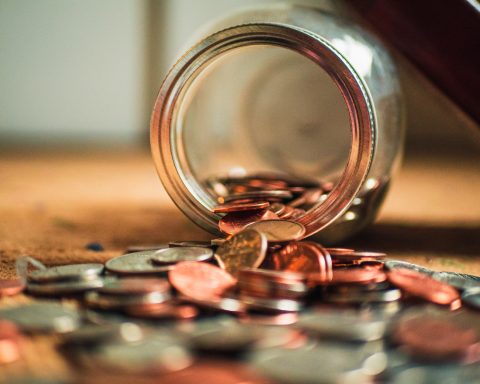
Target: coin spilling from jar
262	305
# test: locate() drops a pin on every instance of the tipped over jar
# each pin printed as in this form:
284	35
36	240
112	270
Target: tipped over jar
281	98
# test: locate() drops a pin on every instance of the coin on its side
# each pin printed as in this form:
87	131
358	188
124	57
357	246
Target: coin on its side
176	254
136	263
66	272
246	249
279	230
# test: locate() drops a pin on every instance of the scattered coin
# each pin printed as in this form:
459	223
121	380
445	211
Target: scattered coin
137	263
421	285
135	286
246	249
163	311
395	264
471	297
182	253
64	287
11	287
279	230
70	272
10	350
142	248
271	305
300	257
199	280
102	301
43	317
457	280
217	304
94	334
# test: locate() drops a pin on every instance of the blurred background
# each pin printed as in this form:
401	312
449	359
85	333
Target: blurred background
83	73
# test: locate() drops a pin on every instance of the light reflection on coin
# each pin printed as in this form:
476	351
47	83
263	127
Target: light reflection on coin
178	254
246	249
279	230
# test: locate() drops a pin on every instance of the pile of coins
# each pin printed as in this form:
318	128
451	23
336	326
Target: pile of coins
260	306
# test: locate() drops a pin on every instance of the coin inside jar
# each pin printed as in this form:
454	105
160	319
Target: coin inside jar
279	230
237	207
235	222
178	254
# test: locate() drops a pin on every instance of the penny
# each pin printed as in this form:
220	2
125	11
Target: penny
190	243
235	222
200	280
433	338
9	342
351	276
135	286
279	230
287	213
339	251
64	287
358	256
309	197
300	257
246	249
137	263
420	285
42	317
234	207
11	287
259	195
66	272
471	297
277	208
182	253
163	311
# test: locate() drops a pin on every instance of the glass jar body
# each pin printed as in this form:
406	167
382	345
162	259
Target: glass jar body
284	89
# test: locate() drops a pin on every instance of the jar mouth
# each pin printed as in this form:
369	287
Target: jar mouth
166	127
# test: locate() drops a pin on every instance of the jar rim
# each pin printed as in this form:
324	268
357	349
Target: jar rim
165	133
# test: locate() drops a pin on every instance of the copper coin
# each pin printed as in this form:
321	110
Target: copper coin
309	197
420	285
11	287
9	342
237	207
431	337
200	280
260	195
339	251
246	249
134	286
351	276
287	213
299	257
353	257
326	264
163	311
277	208
279	230
235	222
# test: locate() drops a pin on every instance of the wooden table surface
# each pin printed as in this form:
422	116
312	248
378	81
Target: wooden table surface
53	204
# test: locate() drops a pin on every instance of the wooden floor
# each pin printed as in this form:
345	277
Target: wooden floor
53	204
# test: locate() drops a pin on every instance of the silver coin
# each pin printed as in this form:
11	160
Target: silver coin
90	335
326	364
471	297
271	305
142	248
64	287
182	253
279	230
342	325
137	263
154	354
392	264
190	243
385	296
223	304
108	302
43	317
457	280
66	272
132	286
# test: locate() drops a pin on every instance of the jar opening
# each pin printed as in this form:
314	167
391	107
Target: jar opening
262	99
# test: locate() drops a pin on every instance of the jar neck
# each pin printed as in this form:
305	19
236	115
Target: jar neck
166	122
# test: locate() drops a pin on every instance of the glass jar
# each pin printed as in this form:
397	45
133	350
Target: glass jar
282	89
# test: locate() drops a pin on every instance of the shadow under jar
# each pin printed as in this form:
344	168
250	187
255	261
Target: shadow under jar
281	93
